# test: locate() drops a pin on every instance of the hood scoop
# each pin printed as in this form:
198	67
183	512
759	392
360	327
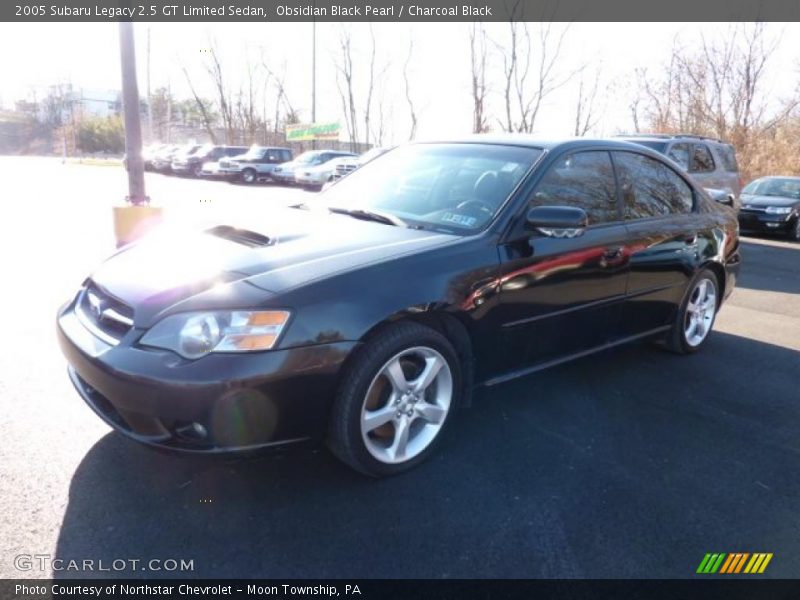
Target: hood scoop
245	237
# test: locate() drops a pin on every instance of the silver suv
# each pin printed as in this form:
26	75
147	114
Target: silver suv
710	162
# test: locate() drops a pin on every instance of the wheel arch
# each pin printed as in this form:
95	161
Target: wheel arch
719	273
445	322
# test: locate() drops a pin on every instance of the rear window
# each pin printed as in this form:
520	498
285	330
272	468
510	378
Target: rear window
727	157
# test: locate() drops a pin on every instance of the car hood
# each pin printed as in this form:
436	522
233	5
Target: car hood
768	200
289	249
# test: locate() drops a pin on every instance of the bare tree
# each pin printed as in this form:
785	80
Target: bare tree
530	74
224	101
478	59
370	85
412	113
282	102
586	109
345	84
203	106
718	89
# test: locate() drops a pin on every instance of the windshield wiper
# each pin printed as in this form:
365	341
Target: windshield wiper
369	215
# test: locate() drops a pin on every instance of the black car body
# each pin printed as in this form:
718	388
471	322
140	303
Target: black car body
192	164
772	204
505	274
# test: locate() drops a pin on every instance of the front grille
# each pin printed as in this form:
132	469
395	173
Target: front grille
343	170
103	315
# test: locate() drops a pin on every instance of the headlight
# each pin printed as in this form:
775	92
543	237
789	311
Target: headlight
193	335
778	210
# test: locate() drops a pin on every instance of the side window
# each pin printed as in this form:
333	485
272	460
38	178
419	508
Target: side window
702	161
584	180
650	188
273	156
728	158
286	155
680	154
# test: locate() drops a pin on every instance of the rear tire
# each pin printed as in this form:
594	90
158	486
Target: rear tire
395	399
696	315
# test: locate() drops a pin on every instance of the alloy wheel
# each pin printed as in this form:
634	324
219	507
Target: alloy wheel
406	404
700	312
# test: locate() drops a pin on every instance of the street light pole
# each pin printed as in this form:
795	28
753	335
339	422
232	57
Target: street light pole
133	125
314	74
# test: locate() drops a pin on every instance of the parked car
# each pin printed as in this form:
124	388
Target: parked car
149	153
286	172
772	204
345	166
258	162
710	162
162	161
192	164
366	319
316	177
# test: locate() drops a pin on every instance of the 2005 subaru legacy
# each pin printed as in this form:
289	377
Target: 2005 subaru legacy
367	316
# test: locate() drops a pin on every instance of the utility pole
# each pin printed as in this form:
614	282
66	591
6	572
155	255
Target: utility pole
133	125
314	74
149	97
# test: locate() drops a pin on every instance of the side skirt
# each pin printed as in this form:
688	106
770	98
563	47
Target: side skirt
558	361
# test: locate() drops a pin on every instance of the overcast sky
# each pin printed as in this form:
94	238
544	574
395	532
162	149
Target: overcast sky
439	71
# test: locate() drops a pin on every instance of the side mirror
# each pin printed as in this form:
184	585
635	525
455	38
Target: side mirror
558	221
721	196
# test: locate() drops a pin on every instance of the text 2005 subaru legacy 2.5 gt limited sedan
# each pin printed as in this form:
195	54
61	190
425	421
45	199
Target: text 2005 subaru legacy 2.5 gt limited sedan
367	316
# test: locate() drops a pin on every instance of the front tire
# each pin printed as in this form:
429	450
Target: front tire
249	176
794	232
696	315
395	400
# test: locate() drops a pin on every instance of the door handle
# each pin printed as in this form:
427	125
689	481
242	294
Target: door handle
614	253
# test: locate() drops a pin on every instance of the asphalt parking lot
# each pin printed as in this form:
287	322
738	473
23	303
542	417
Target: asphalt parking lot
631	463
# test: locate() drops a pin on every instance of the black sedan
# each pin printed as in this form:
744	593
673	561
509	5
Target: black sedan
365	320
772	204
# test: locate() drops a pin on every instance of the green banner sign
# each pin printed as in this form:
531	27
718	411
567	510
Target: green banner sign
312	131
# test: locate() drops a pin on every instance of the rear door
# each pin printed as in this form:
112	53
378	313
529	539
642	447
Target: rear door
657	205
561	296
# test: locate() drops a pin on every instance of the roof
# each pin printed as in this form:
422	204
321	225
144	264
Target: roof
530	141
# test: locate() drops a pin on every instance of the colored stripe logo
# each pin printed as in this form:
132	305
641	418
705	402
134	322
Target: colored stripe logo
735	562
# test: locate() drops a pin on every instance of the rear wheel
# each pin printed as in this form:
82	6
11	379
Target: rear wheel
696	315
395	400
249	175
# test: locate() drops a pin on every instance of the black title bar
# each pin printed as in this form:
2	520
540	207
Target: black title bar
730	588
399	11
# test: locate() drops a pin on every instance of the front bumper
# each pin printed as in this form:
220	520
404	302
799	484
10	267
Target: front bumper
182	168
220	403
758	221
311	179
286	177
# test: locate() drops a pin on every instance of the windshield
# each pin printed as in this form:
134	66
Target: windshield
457	188
203	150
783	188
307	158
